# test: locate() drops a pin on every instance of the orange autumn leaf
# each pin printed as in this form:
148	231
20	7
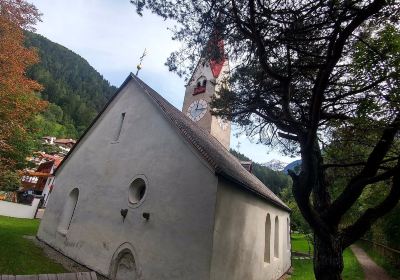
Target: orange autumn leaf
19	103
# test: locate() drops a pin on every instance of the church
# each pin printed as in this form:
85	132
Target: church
151	192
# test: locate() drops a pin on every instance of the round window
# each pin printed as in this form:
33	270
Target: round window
137	191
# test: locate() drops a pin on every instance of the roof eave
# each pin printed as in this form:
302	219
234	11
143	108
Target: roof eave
232	179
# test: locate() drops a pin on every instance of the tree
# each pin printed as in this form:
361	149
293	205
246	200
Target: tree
75	90
275	180
19	103
297	222
302	70
10	181
357	144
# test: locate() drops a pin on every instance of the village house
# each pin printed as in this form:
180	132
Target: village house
64	144
40	181
150	192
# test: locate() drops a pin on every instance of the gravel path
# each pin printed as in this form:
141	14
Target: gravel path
67	263
371	270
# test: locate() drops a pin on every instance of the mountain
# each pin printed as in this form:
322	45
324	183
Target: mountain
75	90
274	180
295	166
275	165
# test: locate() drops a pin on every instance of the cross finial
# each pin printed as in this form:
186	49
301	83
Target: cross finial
139	66
238	145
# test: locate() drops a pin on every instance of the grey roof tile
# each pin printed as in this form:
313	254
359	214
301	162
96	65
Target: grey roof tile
218	157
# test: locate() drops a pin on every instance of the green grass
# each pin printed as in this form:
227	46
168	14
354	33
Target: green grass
19	255
303	269
380	260
352	268
300	244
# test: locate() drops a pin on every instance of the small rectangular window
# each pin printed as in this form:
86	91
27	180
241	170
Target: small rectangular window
116	138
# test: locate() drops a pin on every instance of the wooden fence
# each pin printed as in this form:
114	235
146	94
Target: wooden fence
391	254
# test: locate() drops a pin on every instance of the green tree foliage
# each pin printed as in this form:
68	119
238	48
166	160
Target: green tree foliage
297	221
356	145
274	180
352	143
75	90
299	74
10	181
19	103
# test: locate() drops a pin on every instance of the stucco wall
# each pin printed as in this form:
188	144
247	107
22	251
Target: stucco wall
239	237
16	210
176	242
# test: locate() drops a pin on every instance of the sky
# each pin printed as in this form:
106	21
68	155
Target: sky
112	37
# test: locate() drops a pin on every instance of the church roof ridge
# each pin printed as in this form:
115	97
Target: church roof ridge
215	154
219	158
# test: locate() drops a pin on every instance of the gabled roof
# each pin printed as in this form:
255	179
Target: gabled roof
219	158
223	162
45	167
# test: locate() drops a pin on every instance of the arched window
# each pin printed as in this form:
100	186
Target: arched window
267	248
288	233
276	238
125	267
200	85
68	211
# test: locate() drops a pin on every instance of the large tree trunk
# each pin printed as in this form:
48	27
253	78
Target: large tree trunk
328	259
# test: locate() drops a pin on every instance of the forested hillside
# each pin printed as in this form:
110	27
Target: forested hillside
274	180
75	90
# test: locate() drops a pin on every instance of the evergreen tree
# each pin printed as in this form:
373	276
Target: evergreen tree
295	81
75	90
276	181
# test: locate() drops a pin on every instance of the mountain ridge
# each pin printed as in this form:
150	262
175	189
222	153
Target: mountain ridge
76	91
274	180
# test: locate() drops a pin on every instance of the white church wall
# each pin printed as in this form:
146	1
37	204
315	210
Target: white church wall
239	237
176	241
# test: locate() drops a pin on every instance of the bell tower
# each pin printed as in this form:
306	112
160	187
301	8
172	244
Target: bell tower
207	79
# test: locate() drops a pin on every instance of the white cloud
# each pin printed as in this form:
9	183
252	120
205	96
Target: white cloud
109	34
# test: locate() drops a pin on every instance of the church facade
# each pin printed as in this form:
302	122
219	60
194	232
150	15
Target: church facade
150	192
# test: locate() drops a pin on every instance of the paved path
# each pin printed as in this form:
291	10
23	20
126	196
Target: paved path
371	270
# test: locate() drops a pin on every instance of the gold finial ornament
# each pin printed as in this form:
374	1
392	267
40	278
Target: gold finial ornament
139	66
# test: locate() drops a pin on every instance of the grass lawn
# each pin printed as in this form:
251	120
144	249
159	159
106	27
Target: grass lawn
380	260
299	243
303	269
19	255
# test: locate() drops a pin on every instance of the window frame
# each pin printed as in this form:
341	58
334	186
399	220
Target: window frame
143	198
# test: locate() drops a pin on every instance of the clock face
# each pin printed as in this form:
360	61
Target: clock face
197	110
223	124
